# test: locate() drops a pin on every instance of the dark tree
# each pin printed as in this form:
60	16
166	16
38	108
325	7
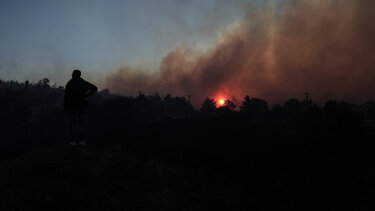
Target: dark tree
230	105
254	108
208	108
44	83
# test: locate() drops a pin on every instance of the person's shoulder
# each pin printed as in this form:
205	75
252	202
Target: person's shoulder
81	80
68	83
86	83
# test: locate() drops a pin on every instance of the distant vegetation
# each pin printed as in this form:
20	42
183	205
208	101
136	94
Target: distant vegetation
32	113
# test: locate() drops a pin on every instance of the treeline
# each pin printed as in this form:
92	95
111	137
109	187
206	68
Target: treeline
34	111
30	101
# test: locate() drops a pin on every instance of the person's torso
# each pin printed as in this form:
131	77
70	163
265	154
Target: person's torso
77	93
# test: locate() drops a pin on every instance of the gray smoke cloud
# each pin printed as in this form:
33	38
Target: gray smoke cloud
318	46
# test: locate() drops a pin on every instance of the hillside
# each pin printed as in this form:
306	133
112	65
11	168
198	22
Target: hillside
161	174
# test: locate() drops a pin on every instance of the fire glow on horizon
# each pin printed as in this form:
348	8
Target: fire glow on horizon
220	99
221	102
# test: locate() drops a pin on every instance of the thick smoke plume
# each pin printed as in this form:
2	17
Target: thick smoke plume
317	46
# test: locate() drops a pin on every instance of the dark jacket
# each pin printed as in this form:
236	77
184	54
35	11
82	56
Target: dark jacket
76	92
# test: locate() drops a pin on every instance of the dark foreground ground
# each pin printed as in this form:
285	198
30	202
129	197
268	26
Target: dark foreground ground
190	165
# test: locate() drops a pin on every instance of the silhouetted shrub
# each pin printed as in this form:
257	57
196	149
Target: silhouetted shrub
208	108
254	109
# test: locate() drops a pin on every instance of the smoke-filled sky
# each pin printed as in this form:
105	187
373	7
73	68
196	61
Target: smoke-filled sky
49	38
204	48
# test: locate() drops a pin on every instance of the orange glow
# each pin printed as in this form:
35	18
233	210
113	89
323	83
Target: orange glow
220	99
221	102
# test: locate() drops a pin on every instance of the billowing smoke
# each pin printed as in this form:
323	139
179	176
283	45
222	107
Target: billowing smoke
317	46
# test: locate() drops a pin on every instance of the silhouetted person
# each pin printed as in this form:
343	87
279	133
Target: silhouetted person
77	91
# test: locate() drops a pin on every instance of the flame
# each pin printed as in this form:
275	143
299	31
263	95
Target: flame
221	102
220	99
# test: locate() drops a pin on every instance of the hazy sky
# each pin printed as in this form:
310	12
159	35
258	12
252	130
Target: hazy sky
276	50
49	38
205	48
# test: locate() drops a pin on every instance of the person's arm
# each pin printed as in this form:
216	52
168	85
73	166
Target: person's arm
91	89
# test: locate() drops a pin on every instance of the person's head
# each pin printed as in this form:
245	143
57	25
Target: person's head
76	74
